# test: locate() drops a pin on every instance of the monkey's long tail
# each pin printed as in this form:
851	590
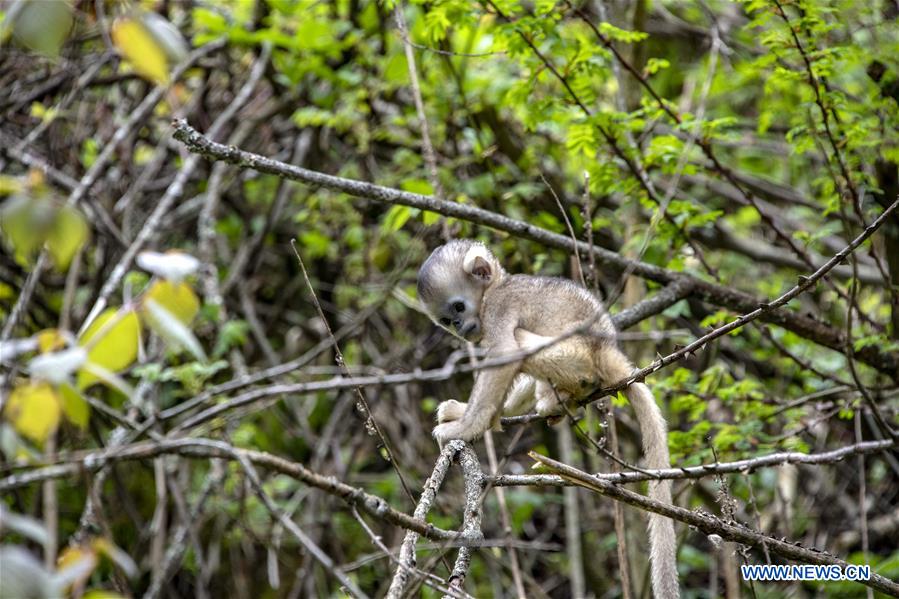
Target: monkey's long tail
662	542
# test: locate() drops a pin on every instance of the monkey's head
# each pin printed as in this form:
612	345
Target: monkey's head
451	285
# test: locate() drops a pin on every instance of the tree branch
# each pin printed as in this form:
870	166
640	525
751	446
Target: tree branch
733	299
708	523
747	466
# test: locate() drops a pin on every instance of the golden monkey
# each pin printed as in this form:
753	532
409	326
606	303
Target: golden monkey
466	291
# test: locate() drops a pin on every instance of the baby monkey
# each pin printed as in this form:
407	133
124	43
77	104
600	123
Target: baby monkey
467	292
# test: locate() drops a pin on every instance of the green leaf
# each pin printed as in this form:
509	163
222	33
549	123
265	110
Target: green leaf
429	218
74	406
421	186
315	244
232	334
654	65
621	35
43	26
581	139
395	218
101	594
396	70
67	235
24	222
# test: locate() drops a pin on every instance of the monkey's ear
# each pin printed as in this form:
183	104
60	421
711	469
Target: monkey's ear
477	263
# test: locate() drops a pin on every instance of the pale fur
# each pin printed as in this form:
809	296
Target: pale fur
511	313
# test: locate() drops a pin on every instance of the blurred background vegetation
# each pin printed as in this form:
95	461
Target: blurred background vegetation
743	143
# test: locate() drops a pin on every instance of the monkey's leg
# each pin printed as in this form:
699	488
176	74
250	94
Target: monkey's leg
567	364
548	399
521	396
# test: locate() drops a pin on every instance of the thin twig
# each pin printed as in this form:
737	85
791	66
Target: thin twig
371	424
504	518
694	472
427	147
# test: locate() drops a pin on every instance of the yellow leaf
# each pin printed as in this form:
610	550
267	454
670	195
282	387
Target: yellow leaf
177	298
36	181
139	47
76	564
101	594
10	185
66	236
116	555
71	555
170	328
33	408
50	340
112	342
74	406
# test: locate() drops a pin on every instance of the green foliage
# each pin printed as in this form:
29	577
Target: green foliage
33	221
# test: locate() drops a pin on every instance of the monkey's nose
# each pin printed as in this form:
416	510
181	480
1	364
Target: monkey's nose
469	329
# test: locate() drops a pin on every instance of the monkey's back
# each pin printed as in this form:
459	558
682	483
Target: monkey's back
549	307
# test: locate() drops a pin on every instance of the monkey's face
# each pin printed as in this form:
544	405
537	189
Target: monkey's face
458	314
451	285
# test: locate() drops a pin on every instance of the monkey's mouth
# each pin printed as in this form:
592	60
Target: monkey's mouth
471	331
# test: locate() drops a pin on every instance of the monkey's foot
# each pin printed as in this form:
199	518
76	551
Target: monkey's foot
450	410
549	405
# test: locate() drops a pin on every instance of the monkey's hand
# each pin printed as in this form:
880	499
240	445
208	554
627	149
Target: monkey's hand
450	410
453	430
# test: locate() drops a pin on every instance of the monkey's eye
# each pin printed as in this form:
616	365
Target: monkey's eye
445	322
459	307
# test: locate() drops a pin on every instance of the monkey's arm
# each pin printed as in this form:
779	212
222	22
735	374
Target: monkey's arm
520	398
490	388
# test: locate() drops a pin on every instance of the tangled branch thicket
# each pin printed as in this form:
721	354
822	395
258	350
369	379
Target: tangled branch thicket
193	407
